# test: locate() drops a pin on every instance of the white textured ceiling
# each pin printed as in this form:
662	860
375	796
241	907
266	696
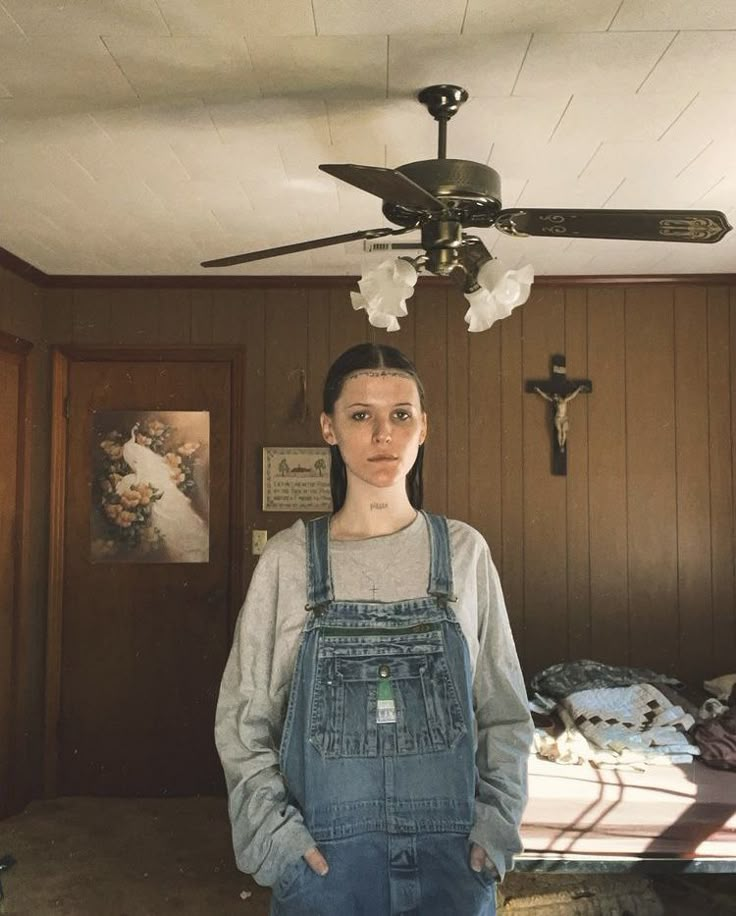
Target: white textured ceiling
143	136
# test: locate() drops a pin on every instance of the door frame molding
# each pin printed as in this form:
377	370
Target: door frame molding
62	357
14	799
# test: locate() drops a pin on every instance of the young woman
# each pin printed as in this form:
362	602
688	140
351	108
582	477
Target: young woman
372	721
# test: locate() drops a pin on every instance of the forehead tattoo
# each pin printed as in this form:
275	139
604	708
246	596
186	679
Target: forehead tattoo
379	373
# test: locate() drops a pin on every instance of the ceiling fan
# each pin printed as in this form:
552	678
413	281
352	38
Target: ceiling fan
441	197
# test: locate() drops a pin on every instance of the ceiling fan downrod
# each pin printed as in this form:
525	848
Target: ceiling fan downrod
442	102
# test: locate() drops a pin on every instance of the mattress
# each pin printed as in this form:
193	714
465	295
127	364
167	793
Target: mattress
686	811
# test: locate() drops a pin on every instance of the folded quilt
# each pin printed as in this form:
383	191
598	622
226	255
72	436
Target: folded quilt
630	719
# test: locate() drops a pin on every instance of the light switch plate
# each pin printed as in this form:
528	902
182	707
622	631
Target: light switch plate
259	541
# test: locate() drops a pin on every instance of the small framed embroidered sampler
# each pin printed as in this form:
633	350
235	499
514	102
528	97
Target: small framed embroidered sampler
296	479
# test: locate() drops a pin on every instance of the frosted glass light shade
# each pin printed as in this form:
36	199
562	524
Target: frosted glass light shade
484	310
384	291
510	287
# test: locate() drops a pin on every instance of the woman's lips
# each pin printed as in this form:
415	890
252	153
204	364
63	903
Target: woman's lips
384	458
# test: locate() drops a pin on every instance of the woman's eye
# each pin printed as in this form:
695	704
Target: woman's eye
402	415
359	415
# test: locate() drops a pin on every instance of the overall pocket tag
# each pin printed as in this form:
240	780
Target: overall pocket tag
385	705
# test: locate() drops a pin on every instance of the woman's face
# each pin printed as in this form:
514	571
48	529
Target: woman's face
378	424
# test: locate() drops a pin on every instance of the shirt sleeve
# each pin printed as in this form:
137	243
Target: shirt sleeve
504	725
268	832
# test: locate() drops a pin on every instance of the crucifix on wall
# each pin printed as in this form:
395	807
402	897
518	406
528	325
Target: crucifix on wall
559	390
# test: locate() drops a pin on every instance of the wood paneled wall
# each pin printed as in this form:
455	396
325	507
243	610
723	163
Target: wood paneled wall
629	559
21	315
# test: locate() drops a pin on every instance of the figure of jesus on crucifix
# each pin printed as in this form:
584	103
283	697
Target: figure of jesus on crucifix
559	390
562	422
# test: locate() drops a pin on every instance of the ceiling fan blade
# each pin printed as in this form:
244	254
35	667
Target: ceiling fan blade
646	225
388	184
303	246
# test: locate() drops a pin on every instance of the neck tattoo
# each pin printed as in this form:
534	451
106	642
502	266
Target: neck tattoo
379	505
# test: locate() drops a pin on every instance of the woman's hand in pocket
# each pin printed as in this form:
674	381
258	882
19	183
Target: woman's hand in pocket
316	861
479	860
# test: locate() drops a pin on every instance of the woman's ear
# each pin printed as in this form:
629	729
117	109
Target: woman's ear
328	434
424	429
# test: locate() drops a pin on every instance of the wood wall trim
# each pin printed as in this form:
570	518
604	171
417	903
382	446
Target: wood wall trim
237	485
22	268
27	271
21	646
12	344
346	282
57	480
15	797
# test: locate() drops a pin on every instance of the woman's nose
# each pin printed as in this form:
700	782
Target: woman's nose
382	432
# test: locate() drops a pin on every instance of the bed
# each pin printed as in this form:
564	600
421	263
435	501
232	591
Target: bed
580	818
609	786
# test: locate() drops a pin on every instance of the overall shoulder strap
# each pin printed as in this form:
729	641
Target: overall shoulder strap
319	580
440	561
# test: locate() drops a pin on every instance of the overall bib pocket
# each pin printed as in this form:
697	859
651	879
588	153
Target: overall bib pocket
351	678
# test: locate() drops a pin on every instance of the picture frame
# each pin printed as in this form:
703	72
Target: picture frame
296	479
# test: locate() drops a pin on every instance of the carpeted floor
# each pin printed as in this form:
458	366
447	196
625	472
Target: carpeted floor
152	857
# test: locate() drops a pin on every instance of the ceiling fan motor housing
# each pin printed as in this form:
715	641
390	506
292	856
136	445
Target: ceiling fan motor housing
470	190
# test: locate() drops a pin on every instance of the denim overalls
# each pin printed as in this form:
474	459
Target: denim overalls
378	751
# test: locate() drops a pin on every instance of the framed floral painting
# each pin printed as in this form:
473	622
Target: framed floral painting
150	487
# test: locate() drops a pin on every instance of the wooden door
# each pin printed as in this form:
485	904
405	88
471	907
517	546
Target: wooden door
12	416
140	645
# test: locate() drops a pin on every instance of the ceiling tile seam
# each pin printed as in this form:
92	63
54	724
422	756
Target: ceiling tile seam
695	158
117	64
254	71
465	17
163	18
314	18
490	153
101	127
521	65
85	171
623	180
559	120
330	136
156	196
594	154
284	168
217	220
181	161
13	19
41	216
615	16
388	59
677	118
521	192
213	122
657	62
711	188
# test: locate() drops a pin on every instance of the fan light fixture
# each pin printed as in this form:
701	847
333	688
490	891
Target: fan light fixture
492	292
443	197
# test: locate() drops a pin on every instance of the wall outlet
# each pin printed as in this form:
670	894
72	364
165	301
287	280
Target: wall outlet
259	541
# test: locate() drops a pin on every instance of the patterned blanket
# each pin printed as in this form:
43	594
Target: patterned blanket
636	718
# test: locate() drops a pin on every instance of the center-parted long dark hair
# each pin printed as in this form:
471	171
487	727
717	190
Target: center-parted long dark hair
368	356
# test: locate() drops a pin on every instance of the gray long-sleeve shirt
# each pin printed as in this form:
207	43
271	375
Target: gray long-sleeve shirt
268	832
